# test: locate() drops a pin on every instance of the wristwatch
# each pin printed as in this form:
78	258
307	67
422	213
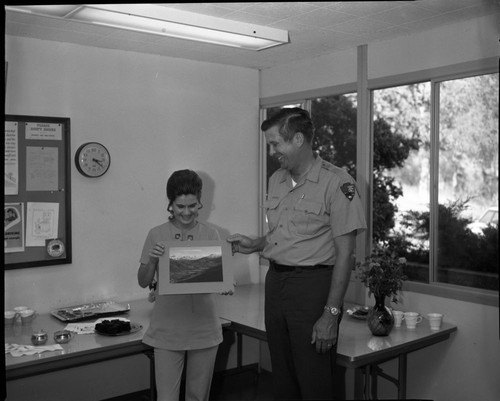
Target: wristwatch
333	310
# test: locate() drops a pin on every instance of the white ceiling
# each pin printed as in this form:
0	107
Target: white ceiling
315	28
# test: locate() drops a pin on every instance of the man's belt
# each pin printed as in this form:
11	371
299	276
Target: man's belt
285	268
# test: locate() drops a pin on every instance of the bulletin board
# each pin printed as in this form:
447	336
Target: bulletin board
37	189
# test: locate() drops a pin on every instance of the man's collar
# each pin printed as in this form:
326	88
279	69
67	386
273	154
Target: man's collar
312	175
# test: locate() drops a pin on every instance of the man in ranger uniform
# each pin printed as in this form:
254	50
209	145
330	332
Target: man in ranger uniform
314	212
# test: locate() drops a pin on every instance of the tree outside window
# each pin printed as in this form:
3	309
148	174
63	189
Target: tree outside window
465	153
461	151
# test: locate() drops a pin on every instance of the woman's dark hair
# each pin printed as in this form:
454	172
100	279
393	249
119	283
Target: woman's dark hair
183	182
290	121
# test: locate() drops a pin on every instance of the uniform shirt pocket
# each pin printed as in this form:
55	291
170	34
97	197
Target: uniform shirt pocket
271	207
308	218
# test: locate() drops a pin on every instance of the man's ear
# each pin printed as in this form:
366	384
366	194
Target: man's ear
299	139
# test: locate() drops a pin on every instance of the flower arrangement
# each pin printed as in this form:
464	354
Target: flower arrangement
382	273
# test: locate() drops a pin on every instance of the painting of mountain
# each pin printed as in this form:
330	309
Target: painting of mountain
196	264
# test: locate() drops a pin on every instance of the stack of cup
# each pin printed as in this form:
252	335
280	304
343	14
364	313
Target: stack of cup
22	313
10	317
27	315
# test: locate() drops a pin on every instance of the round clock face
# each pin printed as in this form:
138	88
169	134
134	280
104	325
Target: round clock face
92	159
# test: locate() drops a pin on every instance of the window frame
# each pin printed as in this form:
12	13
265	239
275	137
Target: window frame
365	146
435	77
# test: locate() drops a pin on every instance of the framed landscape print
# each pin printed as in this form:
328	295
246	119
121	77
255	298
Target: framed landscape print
194	267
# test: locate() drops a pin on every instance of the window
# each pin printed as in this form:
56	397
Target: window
334	119
401	173
445	230
468	182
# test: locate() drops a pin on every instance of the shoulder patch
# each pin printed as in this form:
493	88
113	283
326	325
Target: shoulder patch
349	190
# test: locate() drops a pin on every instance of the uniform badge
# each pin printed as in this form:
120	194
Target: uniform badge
349	190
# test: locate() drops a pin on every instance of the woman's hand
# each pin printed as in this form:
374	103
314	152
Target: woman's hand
146	273
157	251
230	292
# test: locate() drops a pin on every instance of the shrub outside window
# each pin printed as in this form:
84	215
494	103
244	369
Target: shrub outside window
435	173
439	230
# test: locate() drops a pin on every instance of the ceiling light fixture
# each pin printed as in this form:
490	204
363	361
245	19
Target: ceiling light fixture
160	20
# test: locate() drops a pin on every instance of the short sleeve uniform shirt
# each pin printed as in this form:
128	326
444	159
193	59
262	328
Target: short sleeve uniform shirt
304	219
182	322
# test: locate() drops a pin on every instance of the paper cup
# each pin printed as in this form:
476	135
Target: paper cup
398	317
435	320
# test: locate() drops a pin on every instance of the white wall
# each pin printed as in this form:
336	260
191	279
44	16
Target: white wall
155	115
466	367
453	44
320	72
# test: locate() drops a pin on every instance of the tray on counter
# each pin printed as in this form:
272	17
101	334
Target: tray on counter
89	311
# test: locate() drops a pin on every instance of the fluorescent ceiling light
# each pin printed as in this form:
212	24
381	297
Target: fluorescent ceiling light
159	20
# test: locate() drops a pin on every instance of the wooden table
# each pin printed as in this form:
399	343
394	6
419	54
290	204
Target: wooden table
358	349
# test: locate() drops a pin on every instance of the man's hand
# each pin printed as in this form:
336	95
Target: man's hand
324	333
243	244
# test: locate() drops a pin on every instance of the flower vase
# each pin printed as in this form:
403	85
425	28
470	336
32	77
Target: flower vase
380	320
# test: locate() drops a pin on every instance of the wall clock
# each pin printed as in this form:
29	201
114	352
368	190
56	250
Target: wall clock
92	159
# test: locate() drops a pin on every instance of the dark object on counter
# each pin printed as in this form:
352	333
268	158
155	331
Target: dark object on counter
380	319
114	326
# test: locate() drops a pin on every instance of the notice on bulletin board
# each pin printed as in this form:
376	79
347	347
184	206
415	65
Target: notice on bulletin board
42	168
13	223
41	222
46	131
11	158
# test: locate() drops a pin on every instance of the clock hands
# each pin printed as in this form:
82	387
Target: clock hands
99	162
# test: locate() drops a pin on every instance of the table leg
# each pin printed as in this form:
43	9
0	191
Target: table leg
239	350
374	382
402	376
152	383
358	383
362	383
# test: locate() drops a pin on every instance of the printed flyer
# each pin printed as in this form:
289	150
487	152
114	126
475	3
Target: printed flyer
13	227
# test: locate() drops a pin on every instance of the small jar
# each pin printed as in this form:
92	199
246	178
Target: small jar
39	337
62	337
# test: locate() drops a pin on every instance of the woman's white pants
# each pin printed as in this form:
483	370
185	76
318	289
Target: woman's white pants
169	366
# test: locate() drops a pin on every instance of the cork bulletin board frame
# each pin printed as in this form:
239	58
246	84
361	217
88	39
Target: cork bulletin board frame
37	191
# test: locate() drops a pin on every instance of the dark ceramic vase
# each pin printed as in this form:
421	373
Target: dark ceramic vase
380	320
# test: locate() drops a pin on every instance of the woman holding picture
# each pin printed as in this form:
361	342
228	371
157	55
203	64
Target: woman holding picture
182	327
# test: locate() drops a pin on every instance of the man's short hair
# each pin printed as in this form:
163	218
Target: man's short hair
290	121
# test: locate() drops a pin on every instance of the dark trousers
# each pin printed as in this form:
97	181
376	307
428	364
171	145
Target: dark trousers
294	302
